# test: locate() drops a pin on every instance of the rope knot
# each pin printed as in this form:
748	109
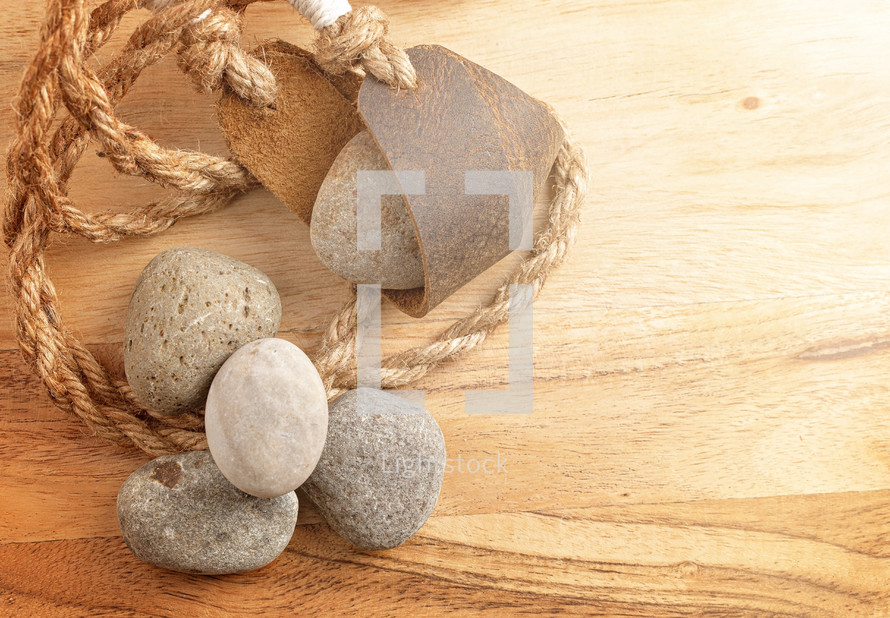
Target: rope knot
211	53
357	41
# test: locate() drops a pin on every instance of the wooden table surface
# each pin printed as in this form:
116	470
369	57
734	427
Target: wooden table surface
711	426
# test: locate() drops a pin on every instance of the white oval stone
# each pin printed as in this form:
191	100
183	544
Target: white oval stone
267	418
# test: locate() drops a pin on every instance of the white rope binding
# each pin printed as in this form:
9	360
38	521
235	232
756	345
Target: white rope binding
322	13
157	5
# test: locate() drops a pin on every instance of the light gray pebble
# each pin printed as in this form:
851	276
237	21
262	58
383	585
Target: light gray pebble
398	264
267	417
379	476
191	308
179	512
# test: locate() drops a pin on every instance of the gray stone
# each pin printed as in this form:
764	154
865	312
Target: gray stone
190	309
267	417
180	513
379	476
398	264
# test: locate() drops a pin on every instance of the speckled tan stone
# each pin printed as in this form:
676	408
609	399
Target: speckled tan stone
398	264
191	308
267	418
179	512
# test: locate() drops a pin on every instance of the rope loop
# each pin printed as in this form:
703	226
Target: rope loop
357	41
211	53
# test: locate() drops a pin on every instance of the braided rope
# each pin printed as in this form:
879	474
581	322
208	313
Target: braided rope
205	35
358	40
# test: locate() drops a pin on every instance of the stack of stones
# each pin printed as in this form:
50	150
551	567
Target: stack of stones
200	333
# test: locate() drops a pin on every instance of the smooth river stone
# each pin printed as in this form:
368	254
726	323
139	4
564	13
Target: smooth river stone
267	418
398	264
379	476
180	513
190	309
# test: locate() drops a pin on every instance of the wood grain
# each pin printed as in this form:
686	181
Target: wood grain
710	431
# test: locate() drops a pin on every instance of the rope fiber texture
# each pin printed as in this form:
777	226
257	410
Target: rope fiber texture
205	36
